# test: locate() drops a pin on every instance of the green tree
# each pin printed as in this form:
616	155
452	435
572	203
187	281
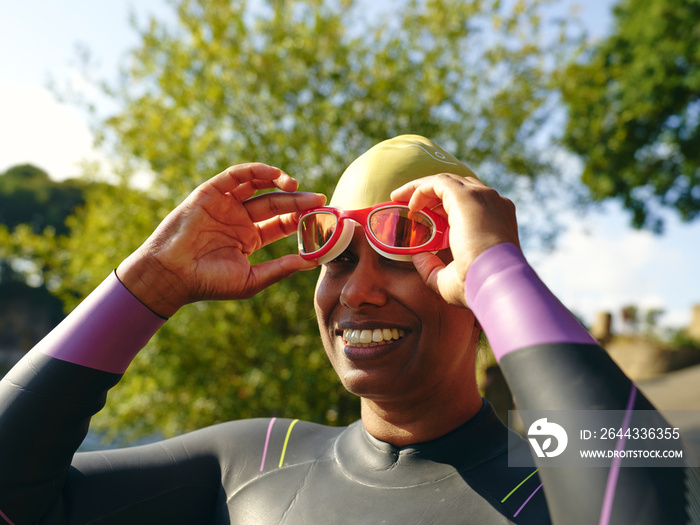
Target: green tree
633	104
29	196
307	86
30	204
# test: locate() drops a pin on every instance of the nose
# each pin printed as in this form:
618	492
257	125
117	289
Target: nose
366	284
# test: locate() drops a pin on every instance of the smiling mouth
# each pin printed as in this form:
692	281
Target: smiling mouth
370	338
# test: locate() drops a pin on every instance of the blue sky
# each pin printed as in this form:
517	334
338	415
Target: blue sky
599	264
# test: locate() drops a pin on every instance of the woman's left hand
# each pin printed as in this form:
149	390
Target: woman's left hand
479	218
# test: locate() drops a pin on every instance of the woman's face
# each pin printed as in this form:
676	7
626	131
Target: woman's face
420	345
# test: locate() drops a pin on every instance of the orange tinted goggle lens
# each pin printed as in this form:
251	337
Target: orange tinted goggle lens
316	230
395	227
400	227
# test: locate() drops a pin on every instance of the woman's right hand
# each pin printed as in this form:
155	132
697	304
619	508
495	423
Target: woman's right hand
200	250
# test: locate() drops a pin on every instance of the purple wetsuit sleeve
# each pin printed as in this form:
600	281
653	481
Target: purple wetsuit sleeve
105	331
513	305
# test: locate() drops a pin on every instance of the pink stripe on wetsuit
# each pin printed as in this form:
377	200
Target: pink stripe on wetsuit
105	331
514	307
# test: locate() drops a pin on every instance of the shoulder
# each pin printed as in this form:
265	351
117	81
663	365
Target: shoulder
267	439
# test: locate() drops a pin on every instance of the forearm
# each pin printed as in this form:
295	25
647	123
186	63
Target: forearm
105	331
538	341
48	398
552	363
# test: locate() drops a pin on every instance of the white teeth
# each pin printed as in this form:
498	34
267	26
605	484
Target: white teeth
372	337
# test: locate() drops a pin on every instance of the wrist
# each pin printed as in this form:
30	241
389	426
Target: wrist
151	284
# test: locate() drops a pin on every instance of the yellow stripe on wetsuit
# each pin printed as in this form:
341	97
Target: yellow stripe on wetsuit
286	440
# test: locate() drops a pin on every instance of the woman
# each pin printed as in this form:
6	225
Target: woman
398	315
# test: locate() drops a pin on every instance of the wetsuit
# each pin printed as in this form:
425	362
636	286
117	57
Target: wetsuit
282	471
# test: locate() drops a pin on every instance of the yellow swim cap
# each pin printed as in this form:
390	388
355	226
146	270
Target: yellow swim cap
371	178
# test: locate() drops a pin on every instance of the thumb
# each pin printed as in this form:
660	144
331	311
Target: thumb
269	272
429	267
442	279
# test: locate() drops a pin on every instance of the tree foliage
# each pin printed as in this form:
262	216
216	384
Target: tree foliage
29	196
634	110
307	86
31	204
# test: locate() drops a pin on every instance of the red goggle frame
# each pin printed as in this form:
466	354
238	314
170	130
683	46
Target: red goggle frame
390	227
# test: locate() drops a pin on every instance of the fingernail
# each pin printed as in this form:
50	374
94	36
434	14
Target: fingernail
308	268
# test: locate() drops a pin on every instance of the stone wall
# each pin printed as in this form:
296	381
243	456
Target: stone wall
641	357
694	328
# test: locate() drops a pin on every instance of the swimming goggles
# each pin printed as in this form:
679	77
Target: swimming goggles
391	229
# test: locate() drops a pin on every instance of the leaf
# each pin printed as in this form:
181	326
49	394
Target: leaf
632	101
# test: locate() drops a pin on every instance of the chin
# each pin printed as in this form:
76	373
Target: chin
367	385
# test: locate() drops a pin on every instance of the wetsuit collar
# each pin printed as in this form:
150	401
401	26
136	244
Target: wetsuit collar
374	462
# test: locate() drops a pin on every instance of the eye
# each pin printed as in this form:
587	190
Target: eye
403	266
344	257
345	260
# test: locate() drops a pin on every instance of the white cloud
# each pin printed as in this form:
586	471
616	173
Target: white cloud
607	269
36	129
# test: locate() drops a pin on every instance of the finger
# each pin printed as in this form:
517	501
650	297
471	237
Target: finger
427	191
266	206
246	190
405	192
438	208
232	177
425	195
277	228
286	182
445	188
429	266
421	193
269	272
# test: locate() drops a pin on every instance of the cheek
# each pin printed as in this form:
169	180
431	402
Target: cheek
324	303
324	300
450	324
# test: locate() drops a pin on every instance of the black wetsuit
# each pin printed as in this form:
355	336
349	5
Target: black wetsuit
252	471
281	471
